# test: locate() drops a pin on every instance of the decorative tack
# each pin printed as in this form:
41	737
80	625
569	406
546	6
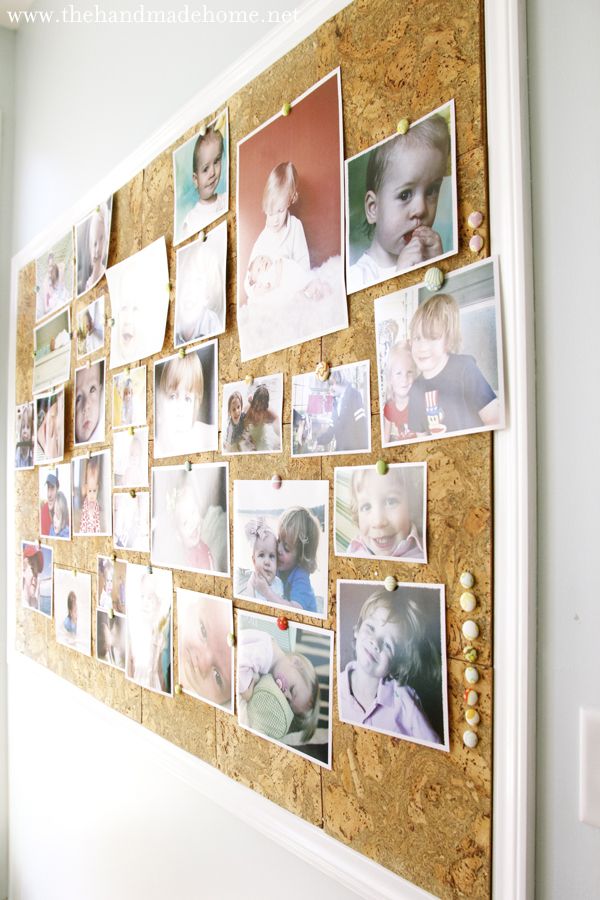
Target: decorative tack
472	717
249	379
33	354
202	131
434	279
322	371
475	219
37	288
382	467
202	236
110	613
286	109
114	557
471	697
470	739
75	572
402	126
149	570
178	688
470	654
470	629
282	623
468	601
467	580
131	429
111	321
132	492
390	583
471	675
188	465
127	370
231	639
276	482
181	352
476	243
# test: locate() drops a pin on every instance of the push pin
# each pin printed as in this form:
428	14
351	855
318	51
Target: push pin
178	688
111	321
472	717
276	482
202	236
475	219
132	493
286	109
114	557
249	379
390	583
131	430
37	288
470	630
471	675
468	601
181	352
467	580
188	465
202	131
470	739
282	623
127	370
471	697
382	467
476	243
322	371
402	126
470	654
149	570
231	639
110	612
434	279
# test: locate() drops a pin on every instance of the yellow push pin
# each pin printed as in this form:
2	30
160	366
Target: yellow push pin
249	379
381	467
402	126
231	639
178	688
286	109
390	583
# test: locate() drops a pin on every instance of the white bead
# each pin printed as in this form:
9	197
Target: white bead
470	739
470	629
468	601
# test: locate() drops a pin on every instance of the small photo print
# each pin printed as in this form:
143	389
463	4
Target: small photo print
91	494
401	208
251	416
89	405
52	352
392	660
24	435
280	544
111	639
190	518
55	501
139	296
92	237
200	288
149	660
204	624
132	521
185	402
73	609
131	458
90	328
111	584
333	416
129	398
381	516
54	277
440	358
284	683
201	178
36	560
49	427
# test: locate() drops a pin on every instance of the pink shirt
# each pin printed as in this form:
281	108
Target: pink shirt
409	548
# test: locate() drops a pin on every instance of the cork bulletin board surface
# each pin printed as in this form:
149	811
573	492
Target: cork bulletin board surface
422	813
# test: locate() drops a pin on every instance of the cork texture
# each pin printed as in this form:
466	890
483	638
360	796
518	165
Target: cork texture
422	813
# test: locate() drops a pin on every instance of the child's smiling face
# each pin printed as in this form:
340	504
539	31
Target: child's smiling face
403	372
207	167
87	403
91	483
377	643
265	557
235	410
430	354
383	515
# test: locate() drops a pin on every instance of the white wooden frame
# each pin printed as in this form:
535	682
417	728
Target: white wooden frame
514	463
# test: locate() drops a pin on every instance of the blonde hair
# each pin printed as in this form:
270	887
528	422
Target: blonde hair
357	483
258	530
432	132
92	467
282	182
26	416
393	354
61	506
308	720
298	528
234	396
211	134
438	317
187	372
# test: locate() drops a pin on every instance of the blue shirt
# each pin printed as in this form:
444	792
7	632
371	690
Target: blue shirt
297	587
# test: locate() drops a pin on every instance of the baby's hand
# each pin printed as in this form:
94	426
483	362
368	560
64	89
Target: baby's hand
258	583
425	243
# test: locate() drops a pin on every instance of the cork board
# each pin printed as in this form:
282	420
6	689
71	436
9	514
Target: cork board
424	814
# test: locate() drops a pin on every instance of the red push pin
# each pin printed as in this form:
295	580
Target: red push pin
282	623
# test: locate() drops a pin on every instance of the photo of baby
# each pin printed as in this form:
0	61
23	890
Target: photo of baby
24	439
139	297
204	624
52	352
132	521
111	639
89	406
130	458
200	288
54	277
149	657
284	683
440	358
111	584
251	416
92	237
381	516
73	609
281	544
185	402
129	398
55	501
401	210
190	518
90	328
201	178
91	494
290	225
334	416
36	565
49	427
392	660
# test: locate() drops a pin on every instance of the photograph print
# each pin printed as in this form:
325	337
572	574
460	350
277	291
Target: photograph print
92	511
52	352
90	328
36	563
112	573
49	427
92	238
55	501
200	288
149	656
131	517
89	404
24	435
73	609
129	398
54	277
130	458
204	625
251	416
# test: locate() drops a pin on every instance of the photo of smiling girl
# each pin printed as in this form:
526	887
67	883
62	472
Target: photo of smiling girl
92	236
89	404
204	623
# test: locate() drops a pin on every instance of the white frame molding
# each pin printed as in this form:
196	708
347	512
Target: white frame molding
514	467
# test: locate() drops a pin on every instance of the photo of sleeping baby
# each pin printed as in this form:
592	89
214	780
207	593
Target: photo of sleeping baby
251	416
280	544
52	352
92	238
90	328
205	653
92	513
24	435
54	277
190	518
284	681
333	416
401	201
73	609
36	563
89	412
130	458
290	225
391	656
149	656
200	288
439	356
185	402
49	427
381	516
201	178
131	515
129	398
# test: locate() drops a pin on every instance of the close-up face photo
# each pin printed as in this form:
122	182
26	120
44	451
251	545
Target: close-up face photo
205	657
89	403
